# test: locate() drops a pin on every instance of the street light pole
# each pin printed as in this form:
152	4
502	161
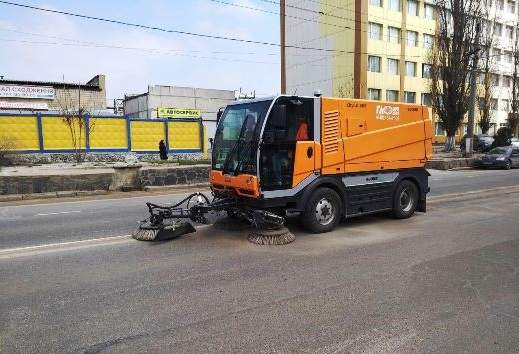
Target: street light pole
472	101
282	10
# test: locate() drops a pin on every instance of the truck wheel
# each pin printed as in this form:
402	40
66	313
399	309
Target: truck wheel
323	211
405	200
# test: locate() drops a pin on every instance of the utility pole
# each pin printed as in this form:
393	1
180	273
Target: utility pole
472	101
282	17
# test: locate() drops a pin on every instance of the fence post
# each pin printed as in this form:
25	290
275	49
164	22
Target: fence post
39	126
87	132
201	134
128	134
166	134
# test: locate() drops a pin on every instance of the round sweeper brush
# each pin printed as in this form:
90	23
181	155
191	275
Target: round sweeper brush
149	232
280	236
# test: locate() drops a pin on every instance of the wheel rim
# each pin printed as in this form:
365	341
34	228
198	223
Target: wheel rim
406	200
508	165
324	212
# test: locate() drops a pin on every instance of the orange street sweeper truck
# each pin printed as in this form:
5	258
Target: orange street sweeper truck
323	158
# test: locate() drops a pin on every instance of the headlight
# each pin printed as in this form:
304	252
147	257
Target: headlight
502	158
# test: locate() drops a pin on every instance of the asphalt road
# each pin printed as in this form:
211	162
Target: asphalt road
442	282
37	224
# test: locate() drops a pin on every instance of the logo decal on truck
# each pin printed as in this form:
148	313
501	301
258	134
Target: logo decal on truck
388	112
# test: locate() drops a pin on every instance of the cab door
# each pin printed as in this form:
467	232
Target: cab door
284	159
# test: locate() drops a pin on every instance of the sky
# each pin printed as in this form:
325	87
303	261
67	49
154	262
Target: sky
51	47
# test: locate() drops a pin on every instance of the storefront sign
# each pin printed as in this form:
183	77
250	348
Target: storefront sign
27	105
179	113
18	91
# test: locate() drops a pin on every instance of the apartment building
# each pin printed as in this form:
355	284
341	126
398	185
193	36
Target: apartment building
379	49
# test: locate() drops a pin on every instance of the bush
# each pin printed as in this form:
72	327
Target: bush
6	147
502	137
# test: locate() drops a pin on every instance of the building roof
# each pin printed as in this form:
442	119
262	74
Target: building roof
93	84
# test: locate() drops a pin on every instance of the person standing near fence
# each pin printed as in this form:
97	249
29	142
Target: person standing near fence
163	151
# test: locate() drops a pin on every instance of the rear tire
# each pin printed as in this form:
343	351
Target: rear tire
323	211
405	200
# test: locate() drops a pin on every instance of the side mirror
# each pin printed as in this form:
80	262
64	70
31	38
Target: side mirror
219	115
268	137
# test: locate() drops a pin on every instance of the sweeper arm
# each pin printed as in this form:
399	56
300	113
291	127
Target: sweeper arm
170	221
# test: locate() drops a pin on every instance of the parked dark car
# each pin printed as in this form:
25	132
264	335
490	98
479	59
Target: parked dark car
482	142
502	157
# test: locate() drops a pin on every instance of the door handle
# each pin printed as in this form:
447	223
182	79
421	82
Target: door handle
310	152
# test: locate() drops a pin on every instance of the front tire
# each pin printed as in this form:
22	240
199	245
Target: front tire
508	165
405	200
323	211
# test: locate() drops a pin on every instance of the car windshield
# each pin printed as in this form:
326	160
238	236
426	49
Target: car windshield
498	151
237	136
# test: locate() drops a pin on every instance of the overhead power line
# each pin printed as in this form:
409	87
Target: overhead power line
166	30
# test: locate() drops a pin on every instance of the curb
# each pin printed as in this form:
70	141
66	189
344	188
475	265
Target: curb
72	194
51	195
176	187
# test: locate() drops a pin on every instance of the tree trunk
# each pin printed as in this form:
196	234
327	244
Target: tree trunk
450	143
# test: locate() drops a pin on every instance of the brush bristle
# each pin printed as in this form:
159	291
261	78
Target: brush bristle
145	234
280	236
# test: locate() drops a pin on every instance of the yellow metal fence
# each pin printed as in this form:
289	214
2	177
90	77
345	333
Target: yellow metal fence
51	133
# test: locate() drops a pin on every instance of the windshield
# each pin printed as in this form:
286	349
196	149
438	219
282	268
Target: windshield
498	151
237	136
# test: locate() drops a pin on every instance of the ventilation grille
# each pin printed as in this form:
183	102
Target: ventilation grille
331	132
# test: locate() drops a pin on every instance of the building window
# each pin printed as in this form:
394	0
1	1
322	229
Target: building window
393	66
428	40
426	99
508	56
494	79
412	7
493	104
410	68
412	38
429	11
511	6
498	30
393	35
495	53
426	71
509	32
374	64
375	3
409	97
374	94
439	129
375	30
507	81
506	105
392	95
500	4
394	5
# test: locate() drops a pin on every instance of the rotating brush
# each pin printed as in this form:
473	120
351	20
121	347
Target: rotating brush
279	236
149	232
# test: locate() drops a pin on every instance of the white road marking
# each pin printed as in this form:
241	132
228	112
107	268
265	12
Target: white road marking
18	251
59	213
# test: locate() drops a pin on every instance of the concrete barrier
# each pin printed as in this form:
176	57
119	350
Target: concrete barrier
79	182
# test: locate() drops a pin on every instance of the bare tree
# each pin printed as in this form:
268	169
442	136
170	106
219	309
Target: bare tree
487	65
513	115
451	62
73	109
